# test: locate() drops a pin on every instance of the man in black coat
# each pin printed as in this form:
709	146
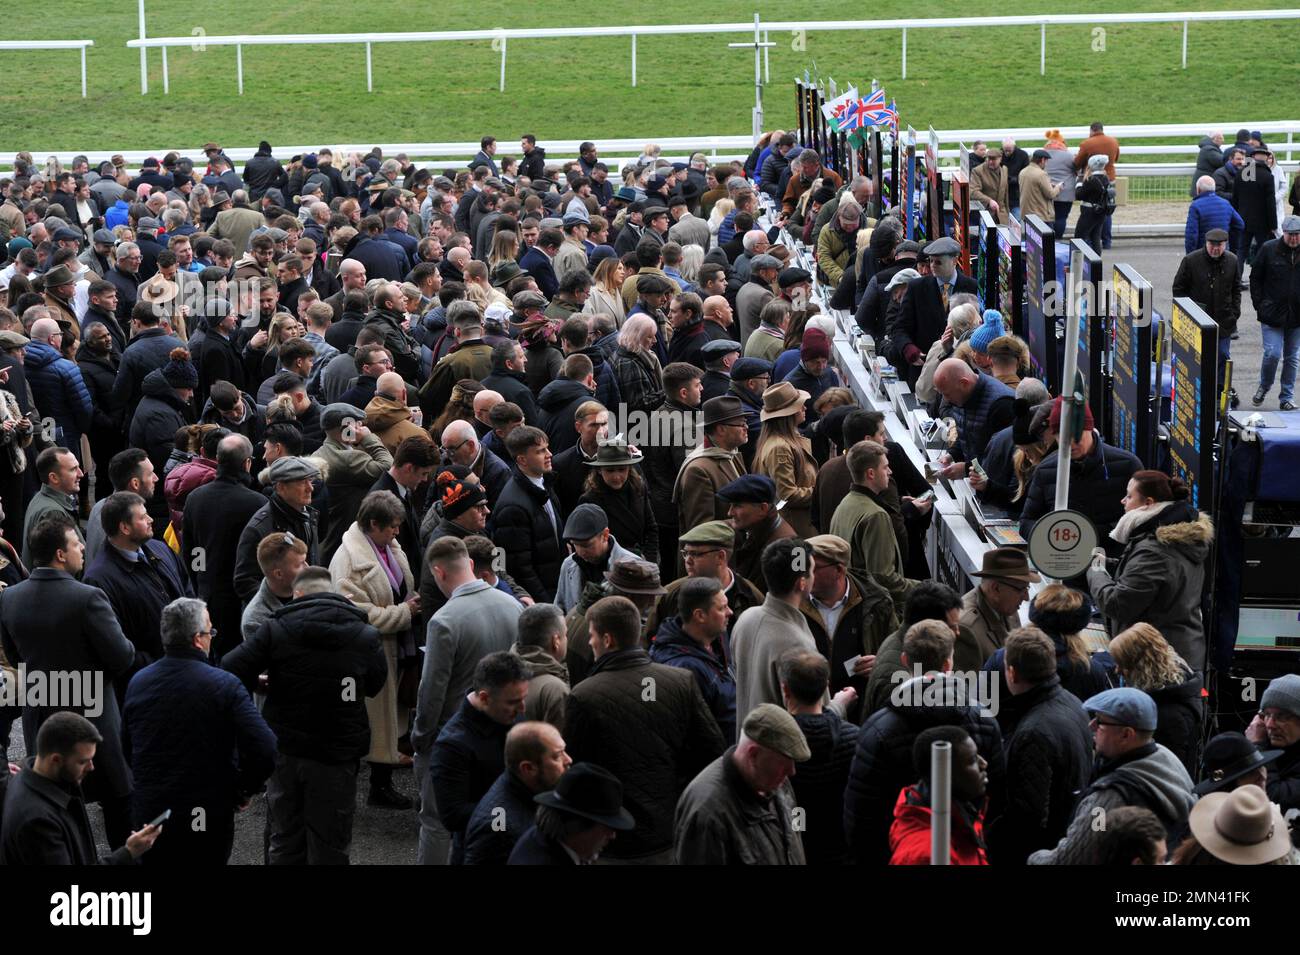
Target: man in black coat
221	359
45	819
139	574
1254	198
413	464
387	317
53	622
576	820
214	519
882	764
320	639
1049	753
382	260
535	759
924	313
527	522
99	365
507	378
288	509
1275	292
469	753
148	351
1211	277
195	741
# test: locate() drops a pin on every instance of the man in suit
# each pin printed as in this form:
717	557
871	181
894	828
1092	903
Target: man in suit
538	260
54	623
924	313
413	464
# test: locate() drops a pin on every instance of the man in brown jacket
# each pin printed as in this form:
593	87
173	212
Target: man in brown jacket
387	414
988	184
1037	193
1099	144
992	610
710	467
807	169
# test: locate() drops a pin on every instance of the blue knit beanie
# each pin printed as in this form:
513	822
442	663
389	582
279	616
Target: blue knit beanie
991	329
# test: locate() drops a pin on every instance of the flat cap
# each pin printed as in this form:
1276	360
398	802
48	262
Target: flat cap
1040	154
277	235
1217	235
1291	224
749	489
1125	705
12	340
830	548
793	276
147	224
746	368
651	212
719	347
764	261
293	469
714	533
586	521
67	235
336	415
104	237
651	284
944	245
528	299
902	277
770	726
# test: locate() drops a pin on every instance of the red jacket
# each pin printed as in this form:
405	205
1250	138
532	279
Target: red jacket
909	836
185	478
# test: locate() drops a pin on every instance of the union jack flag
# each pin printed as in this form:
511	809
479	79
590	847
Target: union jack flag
863	113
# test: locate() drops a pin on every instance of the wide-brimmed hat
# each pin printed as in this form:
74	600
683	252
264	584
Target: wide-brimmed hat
59	275
722	408
503	272
781	400
614	453
635	577
589	791
158	290
1007	563
1240	827
1227	758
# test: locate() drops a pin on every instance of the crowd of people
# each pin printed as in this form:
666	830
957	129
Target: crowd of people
539	483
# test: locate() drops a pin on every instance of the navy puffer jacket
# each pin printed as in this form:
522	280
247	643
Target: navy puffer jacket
59	390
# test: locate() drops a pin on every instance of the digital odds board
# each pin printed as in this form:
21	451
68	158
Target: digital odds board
1131	426
1193	353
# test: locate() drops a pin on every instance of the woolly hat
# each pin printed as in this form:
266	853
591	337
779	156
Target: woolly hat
1055	419
1061	623
991	329
458	496
1098	161
179	372
1284	693
815	345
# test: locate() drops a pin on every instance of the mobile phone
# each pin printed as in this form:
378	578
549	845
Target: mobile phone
166	814
926	496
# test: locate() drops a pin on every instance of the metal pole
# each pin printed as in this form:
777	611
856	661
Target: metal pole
1067	390
1184	44
633	59
1042	49
144	58
370	82
167	87
904	52
239	66
503	65
83	72
767	63
940	803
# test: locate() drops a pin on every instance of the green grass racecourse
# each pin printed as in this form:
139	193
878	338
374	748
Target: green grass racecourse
570	88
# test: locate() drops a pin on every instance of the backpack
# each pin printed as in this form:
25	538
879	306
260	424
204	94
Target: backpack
1110	203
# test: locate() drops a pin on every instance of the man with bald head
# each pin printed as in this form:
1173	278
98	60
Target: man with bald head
461	445
453	264
56	383
388	413
718	311
979	404
352	276
484	402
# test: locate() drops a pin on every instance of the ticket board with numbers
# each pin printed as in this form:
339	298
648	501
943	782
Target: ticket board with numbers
1130	424
1193	351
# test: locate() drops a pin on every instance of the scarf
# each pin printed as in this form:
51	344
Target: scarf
389	563
1131	519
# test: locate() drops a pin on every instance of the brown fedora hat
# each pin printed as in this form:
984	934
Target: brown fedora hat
635	577
722	408
1007	563
782	399
59	275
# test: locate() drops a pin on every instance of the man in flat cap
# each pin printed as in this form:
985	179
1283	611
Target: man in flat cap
755	293
924	312
353	459
715	463
750	377
288	509
740	809
593	551
1211	277
719	356
752	509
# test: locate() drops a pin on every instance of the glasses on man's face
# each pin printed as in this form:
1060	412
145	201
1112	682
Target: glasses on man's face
1277	716
210	632
455	447
688	554
1098	721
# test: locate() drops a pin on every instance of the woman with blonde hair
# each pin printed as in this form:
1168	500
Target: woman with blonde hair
1147	662
785	455
721	209
505	248
282	328
1008	357
607	290
200	199
371	570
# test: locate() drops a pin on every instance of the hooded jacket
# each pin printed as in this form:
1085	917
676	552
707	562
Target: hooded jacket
1179	707
909	835
1275	284
556	407
1160	579
531	540
673	647
157	418
1208	160
308	648
263	172
533	164
390	420
547	689
183	479
1149	777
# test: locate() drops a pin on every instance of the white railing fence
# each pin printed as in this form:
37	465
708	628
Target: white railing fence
53	45
759	29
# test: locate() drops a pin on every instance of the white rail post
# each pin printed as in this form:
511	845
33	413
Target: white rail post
1042	49
767	63
633	59
904	52
239	66
1184	44
167	86
83	72
503	65
370	81
144	59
